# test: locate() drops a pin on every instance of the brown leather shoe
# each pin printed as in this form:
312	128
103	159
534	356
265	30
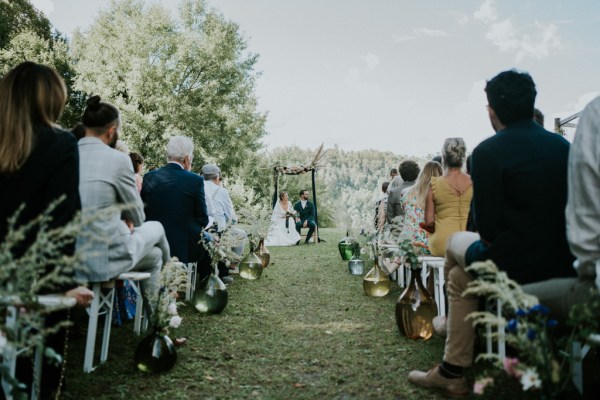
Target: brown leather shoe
434	380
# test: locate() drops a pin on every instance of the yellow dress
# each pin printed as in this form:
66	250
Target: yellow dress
451	213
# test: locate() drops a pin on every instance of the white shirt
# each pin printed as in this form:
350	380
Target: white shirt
303	203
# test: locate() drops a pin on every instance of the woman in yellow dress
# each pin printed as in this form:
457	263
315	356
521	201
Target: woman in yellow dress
448	197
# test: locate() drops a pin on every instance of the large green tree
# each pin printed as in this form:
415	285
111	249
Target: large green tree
17	16
189	75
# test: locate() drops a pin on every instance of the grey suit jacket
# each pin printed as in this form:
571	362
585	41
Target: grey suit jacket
394	205
106	179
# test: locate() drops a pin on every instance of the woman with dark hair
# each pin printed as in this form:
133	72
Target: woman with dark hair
448	197
282	231
39	164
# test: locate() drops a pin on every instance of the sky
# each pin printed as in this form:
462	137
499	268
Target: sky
398	75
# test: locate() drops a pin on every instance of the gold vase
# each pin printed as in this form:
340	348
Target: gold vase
263	253
251	266
376	283
415	309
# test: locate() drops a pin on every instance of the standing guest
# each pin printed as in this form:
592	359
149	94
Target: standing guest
38	164
175	197
305	217
380	207
519	196
413	204
109	246
448	197
224	214
138	164
409	170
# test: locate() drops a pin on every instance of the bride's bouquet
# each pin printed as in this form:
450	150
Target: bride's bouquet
290	214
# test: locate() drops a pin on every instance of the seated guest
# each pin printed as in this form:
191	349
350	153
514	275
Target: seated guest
305	217
409	170
448	197
380	207
109	246
224	213
38	164
583	219
138	164
519	197
413	205
174	196
393	173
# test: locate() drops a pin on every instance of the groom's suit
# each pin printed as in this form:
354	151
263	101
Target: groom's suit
306	214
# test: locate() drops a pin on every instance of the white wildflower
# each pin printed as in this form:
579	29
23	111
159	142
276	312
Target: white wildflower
172	309
530	379
175	321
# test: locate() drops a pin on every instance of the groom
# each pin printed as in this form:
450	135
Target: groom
305	217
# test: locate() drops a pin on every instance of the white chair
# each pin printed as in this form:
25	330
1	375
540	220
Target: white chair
500	332
436	265
102	304
135	279
10	353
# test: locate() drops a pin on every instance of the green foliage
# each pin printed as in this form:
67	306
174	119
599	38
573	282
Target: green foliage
185	75
17	16
28	45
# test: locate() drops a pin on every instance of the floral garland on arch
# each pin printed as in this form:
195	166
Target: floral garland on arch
290	169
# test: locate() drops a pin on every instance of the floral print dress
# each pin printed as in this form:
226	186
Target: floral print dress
413	215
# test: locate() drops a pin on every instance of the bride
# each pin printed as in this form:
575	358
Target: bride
282	231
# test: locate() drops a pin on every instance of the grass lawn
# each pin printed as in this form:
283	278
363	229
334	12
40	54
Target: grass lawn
304	330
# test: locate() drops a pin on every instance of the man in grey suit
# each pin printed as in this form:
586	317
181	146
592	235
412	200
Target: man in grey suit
116	240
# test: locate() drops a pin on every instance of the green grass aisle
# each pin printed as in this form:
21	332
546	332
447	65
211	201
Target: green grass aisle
304	330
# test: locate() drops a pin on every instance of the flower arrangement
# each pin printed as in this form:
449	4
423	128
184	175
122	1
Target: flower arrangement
25	273
256	224
541	365
221	247
172	281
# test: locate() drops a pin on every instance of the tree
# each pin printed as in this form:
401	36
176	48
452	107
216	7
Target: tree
28	45
17	16
189	75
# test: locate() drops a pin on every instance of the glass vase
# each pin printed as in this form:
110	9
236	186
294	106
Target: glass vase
348	247
263	253
155	353
211	296
251	266
356	266
415	309
376	283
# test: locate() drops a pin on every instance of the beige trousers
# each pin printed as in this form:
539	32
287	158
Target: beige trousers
461	333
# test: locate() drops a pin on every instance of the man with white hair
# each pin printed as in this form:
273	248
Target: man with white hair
174	196
224	214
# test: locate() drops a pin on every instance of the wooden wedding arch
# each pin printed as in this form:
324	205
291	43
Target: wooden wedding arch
279	170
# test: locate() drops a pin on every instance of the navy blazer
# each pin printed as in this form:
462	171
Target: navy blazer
175	198
519	196
307	213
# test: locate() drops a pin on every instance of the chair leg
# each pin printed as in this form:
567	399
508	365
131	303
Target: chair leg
139	307
90	344
107	325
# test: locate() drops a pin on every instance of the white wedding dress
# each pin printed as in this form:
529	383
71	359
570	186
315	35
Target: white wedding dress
279	234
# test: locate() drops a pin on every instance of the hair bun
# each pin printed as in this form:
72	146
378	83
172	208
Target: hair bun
93	102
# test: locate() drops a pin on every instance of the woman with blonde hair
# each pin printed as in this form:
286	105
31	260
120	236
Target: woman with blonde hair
413	204
39	164
448	197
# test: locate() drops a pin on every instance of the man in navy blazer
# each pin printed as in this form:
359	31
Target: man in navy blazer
174	196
